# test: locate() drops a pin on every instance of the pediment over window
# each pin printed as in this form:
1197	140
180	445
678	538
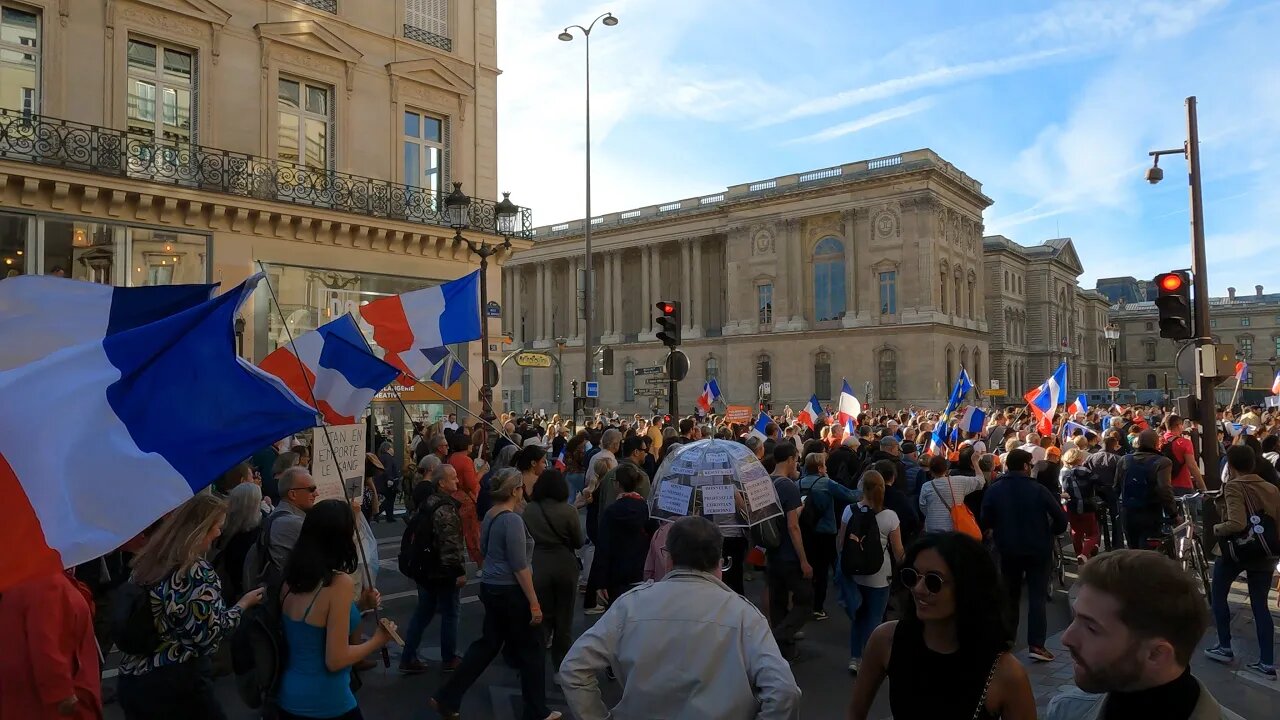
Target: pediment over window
311	36
197	9
432	72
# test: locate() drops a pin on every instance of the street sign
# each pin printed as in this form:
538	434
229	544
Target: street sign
995	392
765	388
652	370
663	380
1113	383
493	309
533	359
593	389
995	384
677	365
651	392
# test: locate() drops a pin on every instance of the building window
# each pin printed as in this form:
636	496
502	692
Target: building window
971	306
161	90
764	303
957	310
764	370
951	362
1151	381
427	21
424	149
888	367
1213	322
304	111
712	369
977	368
942	294
822	375
1248	379
1149	351
1006	281
629	382
828	280
1244	322
526	385
1245	345
889	293
1276	340
1149	327
20	60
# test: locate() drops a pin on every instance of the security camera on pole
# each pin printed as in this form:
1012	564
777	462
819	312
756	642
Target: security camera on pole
677	364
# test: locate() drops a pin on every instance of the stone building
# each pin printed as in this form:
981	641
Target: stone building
871	271
165	141
1039	316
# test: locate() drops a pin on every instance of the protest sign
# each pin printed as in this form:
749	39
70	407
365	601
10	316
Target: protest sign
338	474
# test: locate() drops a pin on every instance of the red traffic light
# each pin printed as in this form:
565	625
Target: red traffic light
667	307
1170	282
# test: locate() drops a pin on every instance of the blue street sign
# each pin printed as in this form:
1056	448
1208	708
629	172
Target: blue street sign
593	389
493	309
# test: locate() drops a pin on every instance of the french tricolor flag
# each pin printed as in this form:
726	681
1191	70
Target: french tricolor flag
762	422
1047	398
848	409
972	420
710	393
334	361
1079	405
1275	385
159	410
429	318
811	413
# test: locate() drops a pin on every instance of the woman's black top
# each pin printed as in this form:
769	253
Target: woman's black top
928	685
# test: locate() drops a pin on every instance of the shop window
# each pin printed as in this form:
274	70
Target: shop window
84	251
166	258
20	59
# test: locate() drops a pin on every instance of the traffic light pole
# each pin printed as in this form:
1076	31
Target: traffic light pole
1207	408
673	399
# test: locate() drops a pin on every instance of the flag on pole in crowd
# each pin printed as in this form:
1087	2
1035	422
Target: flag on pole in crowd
762	422
1069	428
40	314
448	372
1242	371
973	419
1045	399
848	409
710	393
334	360
160	409
811	413
962	387
1275	385
1079	405
429	318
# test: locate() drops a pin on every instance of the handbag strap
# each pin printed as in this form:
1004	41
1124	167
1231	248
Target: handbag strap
563	540
952	490
982	701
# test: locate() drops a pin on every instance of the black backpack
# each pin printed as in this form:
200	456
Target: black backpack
259	651
419	558
1167	451
133	621
814	506
1139	490
861	550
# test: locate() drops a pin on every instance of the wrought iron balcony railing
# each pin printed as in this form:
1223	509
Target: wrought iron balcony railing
45	140
325	5
426	37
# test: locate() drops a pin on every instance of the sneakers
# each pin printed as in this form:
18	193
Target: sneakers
597	610
854	664
820	615
1217	653
413	666
442	711
1040	654
450	665
1266	671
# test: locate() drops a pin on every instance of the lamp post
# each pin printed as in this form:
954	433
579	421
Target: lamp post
458	207
1206	408
1112	333
566	36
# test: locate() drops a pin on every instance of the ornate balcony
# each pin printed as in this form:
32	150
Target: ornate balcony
325	5
45	140
426	37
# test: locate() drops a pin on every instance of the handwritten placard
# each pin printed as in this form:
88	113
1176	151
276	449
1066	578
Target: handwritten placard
717	457
344	465
674	498
717	500
759	494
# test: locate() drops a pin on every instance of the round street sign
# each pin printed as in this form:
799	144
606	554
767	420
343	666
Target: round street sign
1113	383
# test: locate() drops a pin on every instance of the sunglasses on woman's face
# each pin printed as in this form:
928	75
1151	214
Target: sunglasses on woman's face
933	581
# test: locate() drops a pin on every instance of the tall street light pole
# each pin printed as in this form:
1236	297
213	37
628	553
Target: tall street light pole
1112	333
1206	408
566	36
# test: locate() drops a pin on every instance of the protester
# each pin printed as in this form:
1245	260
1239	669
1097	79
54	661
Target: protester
438	569
297	497
685	647
557	534
319	613
389	483
49	667
1081	501
789	575
898	501
531	461
1025	521
1102	463
625	532
948	656
1248	504
1137	618
867	596
943	492
512	611
820	496
184	596
1146	495
241	532
467	494
598	466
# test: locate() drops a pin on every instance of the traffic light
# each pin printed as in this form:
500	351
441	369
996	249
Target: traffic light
669	322
1173	300
606	361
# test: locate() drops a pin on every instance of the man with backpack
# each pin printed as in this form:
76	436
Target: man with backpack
1146	493
818	523
433	555
789	574
1185	478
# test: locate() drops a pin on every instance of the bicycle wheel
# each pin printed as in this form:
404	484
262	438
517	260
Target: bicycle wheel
1201	566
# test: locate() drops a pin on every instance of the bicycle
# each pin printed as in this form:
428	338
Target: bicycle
1180	543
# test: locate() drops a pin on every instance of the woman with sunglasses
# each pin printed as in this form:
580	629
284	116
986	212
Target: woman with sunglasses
948	657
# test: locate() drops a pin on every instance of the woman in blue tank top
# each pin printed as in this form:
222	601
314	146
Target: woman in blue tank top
319	614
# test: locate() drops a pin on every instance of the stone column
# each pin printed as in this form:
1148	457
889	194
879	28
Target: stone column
851	310
508	300
686	291
782	274
575	323
618	319
697	289
655	273
648	296
540	302
798	269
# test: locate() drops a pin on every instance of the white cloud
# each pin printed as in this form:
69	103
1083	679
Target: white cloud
868	121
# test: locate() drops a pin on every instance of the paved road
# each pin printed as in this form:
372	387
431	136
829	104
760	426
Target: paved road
822	673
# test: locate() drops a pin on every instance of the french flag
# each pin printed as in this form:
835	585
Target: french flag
40	314
1079	405
1242	371
973	420
159	410
848	408
762	422
710	393
1045	399
1275	385
334	361
1069	428
448	372
811	413
429	318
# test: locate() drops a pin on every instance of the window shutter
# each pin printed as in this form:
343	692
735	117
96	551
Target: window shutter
446	159
429	15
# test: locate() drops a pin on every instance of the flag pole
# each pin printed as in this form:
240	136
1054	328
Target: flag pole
1234	393
364	560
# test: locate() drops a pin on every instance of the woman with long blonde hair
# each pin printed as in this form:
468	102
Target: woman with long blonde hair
185	599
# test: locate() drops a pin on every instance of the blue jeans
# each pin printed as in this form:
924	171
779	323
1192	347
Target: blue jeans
865	607
443	598
1225	571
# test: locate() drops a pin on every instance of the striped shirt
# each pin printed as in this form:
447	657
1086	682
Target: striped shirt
935	500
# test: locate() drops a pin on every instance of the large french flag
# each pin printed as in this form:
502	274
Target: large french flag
811	413
762	422
334	361
40	314
156	411
428	318
848	409
1047	398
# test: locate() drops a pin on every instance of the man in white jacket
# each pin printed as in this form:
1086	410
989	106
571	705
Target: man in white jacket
684	648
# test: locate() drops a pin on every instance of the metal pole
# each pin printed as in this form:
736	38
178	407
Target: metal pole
673	402
486	392
588	371
1207	407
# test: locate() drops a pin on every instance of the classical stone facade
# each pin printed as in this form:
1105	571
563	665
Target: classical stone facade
160	141
1039	316
797	281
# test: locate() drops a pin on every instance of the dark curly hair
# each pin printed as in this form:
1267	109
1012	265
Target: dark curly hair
982	627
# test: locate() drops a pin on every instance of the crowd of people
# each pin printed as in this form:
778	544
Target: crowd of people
927	547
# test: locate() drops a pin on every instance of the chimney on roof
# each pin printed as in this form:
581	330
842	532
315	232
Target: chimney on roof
1231	294
1258	289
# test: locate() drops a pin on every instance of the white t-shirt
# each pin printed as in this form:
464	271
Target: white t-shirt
1037	452
935	500
888	522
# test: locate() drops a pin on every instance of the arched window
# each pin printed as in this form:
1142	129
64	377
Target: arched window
526	385
712	369
1008	376
973	313
888	367
822	375
629	382
977	368
959	311
942	283
1006	281
828	280
964	358
951	367
1151	381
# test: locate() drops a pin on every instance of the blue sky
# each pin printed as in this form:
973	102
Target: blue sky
1053	107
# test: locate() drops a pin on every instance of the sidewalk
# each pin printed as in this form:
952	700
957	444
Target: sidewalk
1241	693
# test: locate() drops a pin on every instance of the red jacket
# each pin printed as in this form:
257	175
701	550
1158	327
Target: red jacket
50	652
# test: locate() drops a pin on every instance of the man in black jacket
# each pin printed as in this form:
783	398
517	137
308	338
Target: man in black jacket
842	463
898	501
